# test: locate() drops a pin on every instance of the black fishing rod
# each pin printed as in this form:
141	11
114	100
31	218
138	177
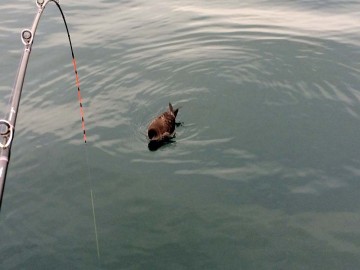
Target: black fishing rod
7	126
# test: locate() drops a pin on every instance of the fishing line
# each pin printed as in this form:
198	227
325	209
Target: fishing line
83	128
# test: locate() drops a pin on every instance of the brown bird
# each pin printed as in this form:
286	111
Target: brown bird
162	128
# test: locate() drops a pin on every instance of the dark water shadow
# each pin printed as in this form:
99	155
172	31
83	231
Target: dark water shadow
155	145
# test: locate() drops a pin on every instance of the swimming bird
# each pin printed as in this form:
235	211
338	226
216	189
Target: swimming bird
162	128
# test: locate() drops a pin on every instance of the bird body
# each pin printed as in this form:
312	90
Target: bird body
163	127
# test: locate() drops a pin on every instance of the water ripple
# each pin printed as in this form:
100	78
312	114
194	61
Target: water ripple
269	104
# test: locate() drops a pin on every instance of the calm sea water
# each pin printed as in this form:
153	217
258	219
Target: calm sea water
264	172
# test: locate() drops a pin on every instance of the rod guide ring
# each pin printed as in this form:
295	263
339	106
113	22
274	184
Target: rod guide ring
40	3
7	134
26	36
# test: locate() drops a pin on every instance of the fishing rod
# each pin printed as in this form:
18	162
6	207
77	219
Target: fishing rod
7	126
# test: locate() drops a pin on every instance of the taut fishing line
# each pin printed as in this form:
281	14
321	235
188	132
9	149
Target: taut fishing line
7	127
83	126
